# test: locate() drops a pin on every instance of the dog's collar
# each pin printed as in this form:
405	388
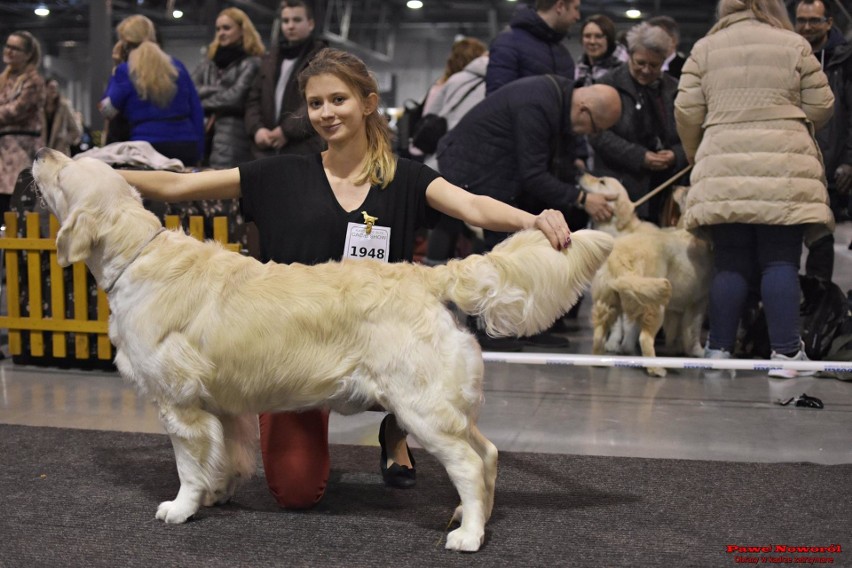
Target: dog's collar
109	288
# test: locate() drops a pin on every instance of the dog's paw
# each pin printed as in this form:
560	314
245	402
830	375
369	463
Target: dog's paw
173	513
465	540
613	346
656	371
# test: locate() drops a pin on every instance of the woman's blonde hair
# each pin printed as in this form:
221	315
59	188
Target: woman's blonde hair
152	72
33	50
463	52
252	43
770	12
380	163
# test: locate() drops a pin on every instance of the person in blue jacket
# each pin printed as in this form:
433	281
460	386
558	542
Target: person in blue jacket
532	44
155	94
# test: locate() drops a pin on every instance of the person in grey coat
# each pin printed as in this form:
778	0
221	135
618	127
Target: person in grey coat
643	149
223	81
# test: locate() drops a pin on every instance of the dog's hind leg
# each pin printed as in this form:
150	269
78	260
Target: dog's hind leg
241	436
651	323
604	315
198	441
488	452
467	472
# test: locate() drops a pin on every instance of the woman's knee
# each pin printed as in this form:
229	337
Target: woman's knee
294	447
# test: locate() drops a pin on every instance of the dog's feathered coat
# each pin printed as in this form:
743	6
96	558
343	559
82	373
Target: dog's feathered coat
214	337
654	278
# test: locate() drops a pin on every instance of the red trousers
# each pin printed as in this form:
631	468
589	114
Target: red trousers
294	446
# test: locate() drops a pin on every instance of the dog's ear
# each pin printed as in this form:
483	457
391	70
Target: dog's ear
76	238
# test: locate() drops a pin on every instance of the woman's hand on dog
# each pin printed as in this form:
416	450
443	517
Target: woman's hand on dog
552	223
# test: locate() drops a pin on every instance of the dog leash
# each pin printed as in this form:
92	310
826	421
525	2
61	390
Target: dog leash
661	187
109	288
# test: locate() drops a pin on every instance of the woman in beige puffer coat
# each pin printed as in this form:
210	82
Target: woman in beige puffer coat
750	96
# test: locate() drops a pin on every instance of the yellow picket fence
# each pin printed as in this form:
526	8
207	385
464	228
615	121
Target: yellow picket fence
83	325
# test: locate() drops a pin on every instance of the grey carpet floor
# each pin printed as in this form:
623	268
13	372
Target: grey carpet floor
88	498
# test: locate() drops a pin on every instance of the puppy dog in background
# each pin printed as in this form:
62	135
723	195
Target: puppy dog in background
654	279
623	335
214	337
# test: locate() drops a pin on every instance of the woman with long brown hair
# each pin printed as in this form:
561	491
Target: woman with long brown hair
312	209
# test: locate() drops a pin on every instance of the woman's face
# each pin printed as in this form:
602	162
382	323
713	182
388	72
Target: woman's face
335	112
52	90
645	66
594	41
228	32
15	53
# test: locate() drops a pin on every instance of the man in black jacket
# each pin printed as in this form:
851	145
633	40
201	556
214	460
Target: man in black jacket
815	24
276	116
532	44
504	146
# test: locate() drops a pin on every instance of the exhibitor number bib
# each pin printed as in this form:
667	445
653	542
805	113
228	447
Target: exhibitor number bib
363	243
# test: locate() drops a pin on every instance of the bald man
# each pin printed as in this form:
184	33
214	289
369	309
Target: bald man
505	146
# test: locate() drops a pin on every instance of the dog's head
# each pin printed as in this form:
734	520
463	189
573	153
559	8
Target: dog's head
623	210
78	192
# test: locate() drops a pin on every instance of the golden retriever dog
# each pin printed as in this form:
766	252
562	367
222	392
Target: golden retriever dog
655	279
214	337
623	335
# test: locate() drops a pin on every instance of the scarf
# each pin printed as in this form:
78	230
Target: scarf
287	50
227	54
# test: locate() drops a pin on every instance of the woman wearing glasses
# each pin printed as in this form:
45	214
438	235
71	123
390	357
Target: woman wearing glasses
643	149
22	95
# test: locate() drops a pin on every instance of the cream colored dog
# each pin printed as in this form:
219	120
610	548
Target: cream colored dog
653	278
624	219
214	337
656	279
623	335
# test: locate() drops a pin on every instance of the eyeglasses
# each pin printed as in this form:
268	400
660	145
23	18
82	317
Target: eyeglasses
11	47
811	21
639	64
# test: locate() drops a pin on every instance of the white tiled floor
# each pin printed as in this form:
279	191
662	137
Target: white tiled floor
573	410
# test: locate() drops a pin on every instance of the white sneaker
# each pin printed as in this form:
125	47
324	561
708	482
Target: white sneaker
790	373
718	354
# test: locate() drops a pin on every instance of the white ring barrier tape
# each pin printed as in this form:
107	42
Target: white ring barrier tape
667	362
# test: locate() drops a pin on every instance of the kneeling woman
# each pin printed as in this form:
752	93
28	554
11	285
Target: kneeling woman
312	209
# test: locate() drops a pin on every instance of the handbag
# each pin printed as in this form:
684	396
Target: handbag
428	133
432	127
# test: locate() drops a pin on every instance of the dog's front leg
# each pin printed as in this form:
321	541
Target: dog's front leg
198	442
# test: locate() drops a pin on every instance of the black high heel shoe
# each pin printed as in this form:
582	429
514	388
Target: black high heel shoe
396	475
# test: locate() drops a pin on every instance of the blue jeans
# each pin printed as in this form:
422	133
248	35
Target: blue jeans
764	257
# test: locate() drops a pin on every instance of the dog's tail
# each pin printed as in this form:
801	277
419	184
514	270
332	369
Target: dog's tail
637	292
524	284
